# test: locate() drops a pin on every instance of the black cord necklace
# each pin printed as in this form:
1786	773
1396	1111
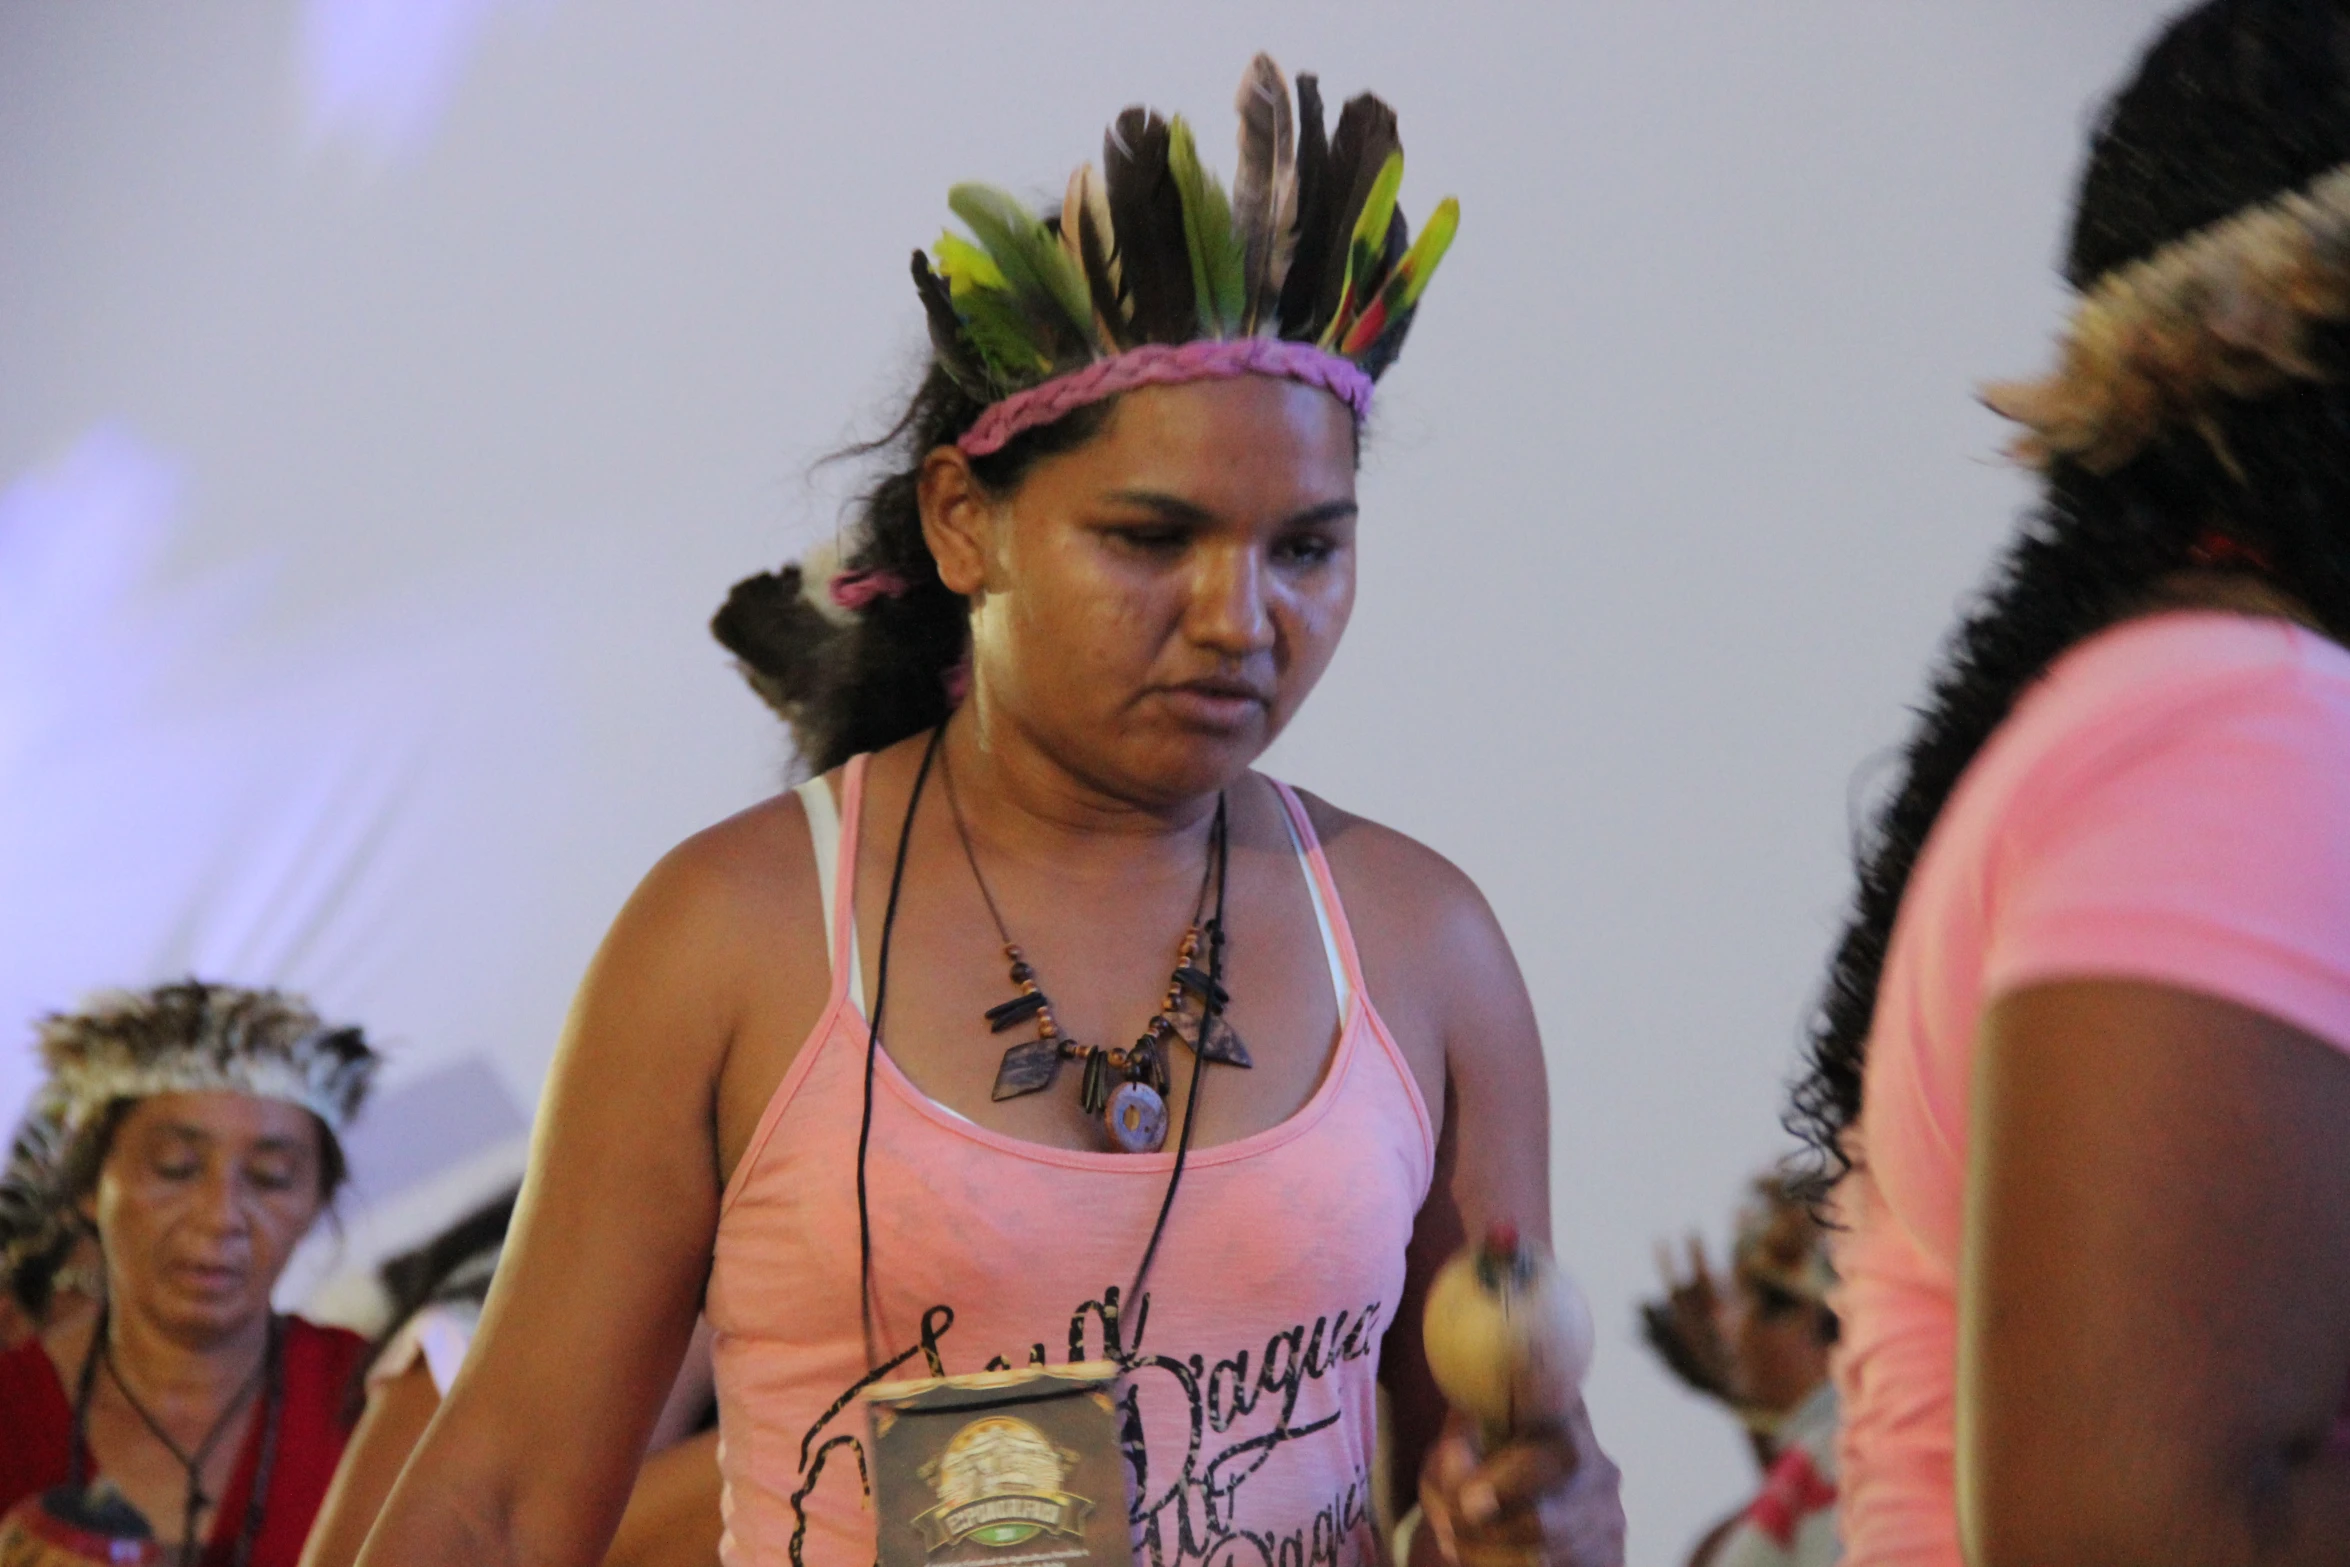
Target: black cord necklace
268	1378
1133	1109
1211	1020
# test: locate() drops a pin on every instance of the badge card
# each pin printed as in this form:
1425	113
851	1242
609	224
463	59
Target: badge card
1002	1469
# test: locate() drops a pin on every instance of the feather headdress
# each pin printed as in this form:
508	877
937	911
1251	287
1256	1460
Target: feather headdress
1151	273
194	1037
2222	314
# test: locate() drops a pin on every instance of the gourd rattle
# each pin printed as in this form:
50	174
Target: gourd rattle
1508	1336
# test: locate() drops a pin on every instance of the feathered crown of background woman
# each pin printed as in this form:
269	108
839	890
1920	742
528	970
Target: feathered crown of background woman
1150	273
191	1036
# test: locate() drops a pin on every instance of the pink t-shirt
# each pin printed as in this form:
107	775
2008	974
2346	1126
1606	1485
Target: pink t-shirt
2172	803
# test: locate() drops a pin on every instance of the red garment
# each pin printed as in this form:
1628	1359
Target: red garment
36	1413
1793	1491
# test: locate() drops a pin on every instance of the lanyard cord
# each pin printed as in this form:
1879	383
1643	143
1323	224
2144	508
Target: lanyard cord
269	1375
889	922
1199	1062
1209	1008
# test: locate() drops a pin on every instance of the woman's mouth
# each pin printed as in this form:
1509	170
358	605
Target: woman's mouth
1217	704
208	1278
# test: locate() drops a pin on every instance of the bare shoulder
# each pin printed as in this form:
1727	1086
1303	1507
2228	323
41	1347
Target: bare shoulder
1390	879
1434	957
713	972
741	879
66	1340
725	929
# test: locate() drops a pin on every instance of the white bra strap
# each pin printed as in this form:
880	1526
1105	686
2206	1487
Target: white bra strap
824	838
1338	985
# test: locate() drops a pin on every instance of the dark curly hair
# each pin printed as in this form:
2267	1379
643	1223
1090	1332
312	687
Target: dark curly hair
844	688
2236	102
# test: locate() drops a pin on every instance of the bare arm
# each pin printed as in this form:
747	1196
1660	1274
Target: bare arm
397	1413
1549	1497
1447	983
673	1514
1492	1149
2154	1317
533	1457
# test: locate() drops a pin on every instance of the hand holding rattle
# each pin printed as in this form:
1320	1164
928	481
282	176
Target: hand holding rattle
1508	1337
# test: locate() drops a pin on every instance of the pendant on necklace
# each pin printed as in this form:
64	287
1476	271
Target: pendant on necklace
1126	1089
1220	1043
1027	1068
1137	1118
1031	1065
1134	1112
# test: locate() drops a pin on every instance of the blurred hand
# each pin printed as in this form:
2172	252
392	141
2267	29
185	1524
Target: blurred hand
1685	1328
1543	1500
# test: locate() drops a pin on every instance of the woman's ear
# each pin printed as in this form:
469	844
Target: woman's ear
955	520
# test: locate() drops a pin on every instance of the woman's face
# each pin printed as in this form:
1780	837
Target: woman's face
201	1200
1152	607
1776	1342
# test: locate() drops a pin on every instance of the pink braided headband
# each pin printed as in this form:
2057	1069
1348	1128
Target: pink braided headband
1168	364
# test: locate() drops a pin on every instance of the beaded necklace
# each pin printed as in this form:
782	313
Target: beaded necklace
1211	1019
1125	1086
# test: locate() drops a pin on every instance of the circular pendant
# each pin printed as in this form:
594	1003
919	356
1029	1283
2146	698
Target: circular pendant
1137	1118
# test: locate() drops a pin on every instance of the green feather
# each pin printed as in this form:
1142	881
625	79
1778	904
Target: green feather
1000	333
995	326
1034	266
1419	265
1219	266
1364	251
966	267
1401	292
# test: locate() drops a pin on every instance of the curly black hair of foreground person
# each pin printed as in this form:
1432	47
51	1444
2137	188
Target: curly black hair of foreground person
2235	104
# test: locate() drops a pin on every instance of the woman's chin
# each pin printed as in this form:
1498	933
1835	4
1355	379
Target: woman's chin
1185	763
199	1318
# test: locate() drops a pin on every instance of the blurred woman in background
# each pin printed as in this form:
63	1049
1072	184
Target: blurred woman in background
1757	1342
193	1140
2082	1053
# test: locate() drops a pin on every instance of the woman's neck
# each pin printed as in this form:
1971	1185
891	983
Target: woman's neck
2235	592
176	1375
1025	804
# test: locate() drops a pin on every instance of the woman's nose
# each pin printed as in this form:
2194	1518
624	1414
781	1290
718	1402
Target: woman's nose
216	1200
1229	612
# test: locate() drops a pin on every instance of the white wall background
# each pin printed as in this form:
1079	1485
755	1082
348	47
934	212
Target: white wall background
389	389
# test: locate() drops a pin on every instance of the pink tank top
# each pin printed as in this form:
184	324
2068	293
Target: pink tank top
2170	803
1250	1358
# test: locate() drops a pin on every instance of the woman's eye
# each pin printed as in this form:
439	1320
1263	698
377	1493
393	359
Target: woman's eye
1157	541
1306	551
176	1169
270	1179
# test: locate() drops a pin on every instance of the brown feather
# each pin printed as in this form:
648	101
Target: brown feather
1146	222
1365	138
1085	235
1302	283
954	356
1264	190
